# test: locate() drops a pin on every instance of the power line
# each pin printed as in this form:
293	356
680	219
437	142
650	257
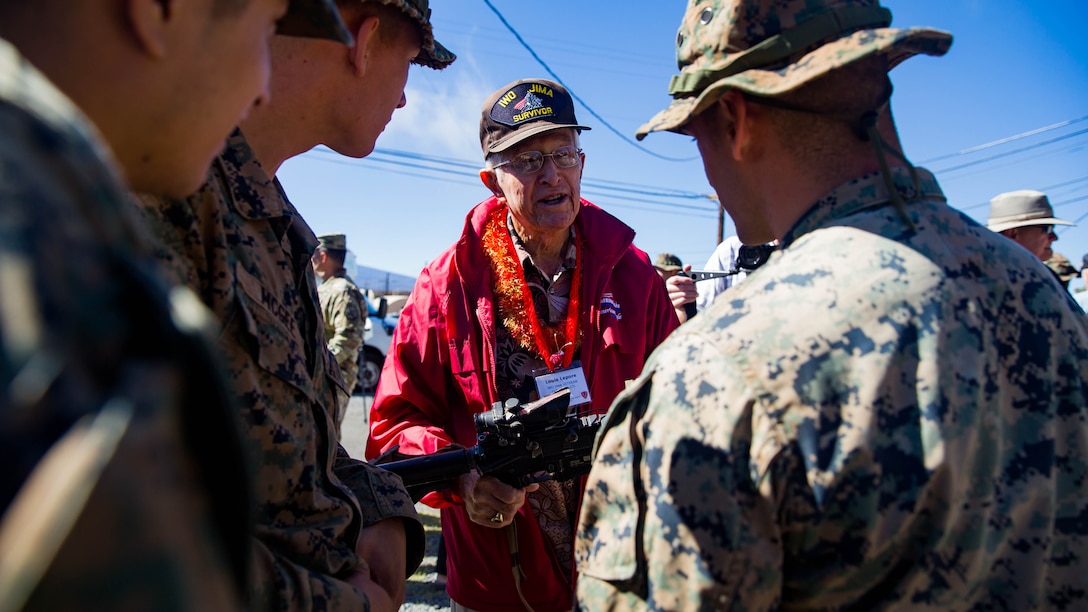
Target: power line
472	168
1005	140
1046	189
1014	151
575	96
397	165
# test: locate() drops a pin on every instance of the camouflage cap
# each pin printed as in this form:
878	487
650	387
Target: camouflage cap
668	262
314	19
431	54
1021	208
335	242
770	47
1062	268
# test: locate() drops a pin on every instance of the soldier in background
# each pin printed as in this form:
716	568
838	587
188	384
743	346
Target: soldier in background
344	310
124	484
332	531
1063	270
667	265
892	412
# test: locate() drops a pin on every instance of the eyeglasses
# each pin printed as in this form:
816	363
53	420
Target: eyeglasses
1047	229
530	162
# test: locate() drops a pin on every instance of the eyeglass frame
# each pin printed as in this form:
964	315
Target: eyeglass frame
577	157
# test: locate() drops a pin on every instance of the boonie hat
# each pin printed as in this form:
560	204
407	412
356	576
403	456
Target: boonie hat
771	47
668	262
1021	208
314	19
335	242
522	110
1062	268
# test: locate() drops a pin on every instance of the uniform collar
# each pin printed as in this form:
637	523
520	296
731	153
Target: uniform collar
863	193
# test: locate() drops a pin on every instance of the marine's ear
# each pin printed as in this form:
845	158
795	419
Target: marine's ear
149	22
366	36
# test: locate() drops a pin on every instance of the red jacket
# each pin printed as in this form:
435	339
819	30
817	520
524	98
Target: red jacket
441	370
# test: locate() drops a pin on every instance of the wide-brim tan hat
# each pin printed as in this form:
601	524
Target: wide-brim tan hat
767	48
1020	209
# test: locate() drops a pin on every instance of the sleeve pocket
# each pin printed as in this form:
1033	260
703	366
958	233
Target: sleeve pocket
611	527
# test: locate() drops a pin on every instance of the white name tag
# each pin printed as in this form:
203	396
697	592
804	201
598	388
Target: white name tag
572	378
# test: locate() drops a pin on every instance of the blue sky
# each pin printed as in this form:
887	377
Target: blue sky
1015	68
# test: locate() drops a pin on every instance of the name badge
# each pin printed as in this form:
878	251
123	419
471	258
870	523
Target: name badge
572	378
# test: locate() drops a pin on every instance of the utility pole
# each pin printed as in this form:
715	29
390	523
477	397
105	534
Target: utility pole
721	218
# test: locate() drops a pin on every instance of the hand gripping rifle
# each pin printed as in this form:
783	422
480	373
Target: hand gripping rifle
519	444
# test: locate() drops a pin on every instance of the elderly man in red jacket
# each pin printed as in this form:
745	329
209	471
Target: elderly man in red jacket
540	282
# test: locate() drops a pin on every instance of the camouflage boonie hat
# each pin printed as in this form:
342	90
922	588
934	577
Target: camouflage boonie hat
667	262
431	54
1062	268
314	19
770	47
335	242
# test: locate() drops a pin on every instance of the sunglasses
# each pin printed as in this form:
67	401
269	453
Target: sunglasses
530	162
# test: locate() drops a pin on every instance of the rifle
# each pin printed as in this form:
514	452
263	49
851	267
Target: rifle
520	444
749	257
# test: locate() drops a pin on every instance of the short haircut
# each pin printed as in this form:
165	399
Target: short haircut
337	255
222	8
393	23
836	102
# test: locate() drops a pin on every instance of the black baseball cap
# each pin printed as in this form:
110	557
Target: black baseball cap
522	110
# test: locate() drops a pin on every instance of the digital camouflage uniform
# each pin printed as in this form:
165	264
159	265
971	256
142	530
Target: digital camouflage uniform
889	414
112	485
345	316
920	443
242	246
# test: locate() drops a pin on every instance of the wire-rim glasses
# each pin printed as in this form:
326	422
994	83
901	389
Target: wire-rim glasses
530	162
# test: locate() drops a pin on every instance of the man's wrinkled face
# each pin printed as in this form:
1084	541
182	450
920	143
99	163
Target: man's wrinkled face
1034	238
548	200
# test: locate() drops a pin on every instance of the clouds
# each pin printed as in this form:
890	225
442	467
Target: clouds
442	117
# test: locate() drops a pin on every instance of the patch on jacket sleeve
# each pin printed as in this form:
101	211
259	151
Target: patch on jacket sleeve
609	305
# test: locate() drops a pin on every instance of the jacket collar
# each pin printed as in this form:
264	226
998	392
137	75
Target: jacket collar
604	238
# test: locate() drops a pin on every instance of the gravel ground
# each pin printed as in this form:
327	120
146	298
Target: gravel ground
422	594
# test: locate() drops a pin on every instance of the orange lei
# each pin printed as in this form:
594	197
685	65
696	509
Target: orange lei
515	300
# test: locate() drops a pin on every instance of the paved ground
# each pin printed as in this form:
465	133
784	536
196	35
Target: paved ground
423	595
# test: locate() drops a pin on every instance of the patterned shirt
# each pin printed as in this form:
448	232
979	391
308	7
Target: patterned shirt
555	503
877	418
242	246
101	387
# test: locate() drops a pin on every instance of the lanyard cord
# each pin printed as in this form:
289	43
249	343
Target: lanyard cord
511	532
